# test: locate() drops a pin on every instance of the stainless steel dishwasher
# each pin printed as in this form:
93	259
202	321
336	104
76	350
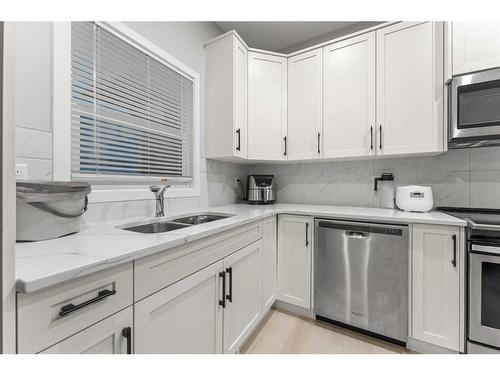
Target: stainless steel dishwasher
361	276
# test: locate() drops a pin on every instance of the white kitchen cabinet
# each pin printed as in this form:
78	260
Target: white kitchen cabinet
349	97
476	46
226	73
269	259
186	317
295	246
410	88
243	308
267	106
305	93
112	335
437	256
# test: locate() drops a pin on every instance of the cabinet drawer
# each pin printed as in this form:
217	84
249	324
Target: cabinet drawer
105	337
161	270
53	314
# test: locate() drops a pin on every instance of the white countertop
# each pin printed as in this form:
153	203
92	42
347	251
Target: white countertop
102	245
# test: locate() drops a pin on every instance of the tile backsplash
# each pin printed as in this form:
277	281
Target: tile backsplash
466	178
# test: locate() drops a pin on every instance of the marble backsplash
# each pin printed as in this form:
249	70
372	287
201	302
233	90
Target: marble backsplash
466	178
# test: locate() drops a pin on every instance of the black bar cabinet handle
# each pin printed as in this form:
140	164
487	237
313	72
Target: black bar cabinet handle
229	296
222	302
70	308
380	136
371	137
127	333
454	261
238	148
307	234
319	136
284	138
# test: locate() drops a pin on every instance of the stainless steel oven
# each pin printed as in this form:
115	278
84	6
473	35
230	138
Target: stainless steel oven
475	110
484	294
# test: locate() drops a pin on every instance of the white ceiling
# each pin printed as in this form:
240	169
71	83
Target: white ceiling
278	36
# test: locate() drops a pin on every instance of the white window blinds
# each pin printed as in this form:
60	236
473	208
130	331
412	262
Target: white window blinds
132	116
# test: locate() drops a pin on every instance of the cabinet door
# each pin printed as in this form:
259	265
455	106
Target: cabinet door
294	259
267	103
304	105
243	295
269	257
349	97
105	337
184	318
435	286
240	77
476	46
410	88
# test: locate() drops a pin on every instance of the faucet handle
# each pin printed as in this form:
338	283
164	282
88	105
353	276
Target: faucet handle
154	188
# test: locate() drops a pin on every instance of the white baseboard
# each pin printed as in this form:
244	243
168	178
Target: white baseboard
295	309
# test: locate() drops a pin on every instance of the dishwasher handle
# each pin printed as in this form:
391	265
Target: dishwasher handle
357	235
363	227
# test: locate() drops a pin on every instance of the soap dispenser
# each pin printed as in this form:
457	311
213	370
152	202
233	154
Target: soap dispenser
386	190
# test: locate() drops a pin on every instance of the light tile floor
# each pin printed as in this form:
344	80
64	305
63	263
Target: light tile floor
286	333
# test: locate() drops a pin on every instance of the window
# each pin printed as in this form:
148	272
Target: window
131	114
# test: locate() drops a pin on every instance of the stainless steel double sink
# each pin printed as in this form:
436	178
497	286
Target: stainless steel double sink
175	224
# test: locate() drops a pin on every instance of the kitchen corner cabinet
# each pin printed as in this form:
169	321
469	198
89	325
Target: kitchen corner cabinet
436	286
295	246
475	46
226	70
113	335
269	262
349	97
305	93
267	106
410	90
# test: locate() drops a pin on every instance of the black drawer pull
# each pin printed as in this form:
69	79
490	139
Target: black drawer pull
127	333
454	260
70	308
222	302
284	138
229	271
238	148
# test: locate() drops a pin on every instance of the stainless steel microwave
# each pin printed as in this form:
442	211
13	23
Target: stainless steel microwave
475	110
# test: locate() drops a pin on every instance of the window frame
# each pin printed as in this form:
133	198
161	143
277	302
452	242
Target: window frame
104	190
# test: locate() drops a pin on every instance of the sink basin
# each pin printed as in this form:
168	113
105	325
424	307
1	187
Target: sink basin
160	227
200	219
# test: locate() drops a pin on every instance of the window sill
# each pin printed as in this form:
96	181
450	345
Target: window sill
101	194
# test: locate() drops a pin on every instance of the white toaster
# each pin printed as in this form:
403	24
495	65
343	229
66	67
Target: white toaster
414	198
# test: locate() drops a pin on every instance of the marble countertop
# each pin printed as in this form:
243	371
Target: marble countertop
102	245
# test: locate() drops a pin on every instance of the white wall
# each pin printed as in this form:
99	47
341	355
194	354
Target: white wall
182	40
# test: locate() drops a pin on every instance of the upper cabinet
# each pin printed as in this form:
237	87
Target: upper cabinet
267	106
475	46
226	73
378	93
410	88
349	97
304	105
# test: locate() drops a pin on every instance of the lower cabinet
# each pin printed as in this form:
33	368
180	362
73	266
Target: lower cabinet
436	286
212	311
295	246
186	317
243	303
269	262
113	335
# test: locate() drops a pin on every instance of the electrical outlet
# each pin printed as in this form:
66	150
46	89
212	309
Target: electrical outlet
21	171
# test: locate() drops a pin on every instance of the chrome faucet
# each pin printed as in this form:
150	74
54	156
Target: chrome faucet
160	199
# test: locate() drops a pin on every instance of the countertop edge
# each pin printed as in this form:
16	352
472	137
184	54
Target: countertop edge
30	286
